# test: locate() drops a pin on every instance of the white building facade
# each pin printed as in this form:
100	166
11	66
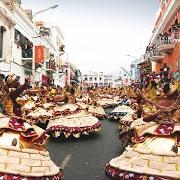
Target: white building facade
18	37
97	79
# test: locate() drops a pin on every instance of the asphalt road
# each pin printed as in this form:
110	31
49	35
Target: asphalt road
89	154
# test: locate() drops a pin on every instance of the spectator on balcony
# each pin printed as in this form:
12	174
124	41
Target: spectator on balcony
159	39
147	47
165	70
166	37
150	51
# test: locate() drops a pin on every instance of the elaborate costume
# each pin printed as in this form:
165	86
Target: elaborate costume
22	152
13	90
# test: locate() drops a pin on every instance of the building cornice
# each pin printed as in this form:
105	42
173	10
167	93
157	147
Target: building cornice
7	19
171	9
10	4
15	8
30	24
22	15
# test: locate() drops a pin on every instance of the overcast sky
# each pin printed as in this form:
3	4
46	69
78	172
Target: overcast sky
100	33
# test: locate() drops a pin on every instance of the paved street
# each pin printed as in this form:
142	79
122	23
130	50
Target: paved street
89	153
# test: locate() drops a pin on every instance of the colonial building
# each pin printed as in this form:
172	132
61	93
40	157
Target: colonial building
97	79
164	44
72	75
53	55
25	47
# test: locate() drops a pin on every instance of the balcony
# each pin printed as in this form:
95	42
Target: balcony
156	56
164	17
74	80
166	48
146	56
27	52
27	57
27	65
166	45
51	66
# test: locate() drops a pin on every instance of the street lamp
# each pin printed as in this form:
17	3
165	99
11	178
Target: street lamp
132	57
34	32
43	10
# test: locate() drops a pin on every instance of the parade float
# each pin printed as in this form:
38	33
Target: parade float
22	152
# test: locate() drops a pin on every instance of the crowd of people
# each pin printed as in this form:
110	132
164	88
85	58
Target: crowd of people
161	80
11	88
153	102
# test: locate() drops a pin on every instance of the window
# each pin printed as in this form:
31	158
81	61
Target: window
100	78
17	36
100	84
95	78
27	49
85	78
90	78
2	30
25	44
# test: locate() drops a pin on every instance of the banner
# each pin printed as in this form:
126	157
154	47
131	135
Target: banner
39	54
45	80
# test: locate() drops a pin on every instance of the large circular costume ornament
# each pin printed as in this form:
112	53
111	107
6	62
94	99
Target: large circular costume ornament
119	112
155	153
108	102
22	152
75	125
97	111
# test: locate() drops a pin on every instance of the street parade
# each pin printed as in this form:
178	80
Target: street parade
57	123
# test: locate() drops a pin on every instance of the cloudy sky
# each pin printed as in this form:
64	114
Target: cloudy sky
100	33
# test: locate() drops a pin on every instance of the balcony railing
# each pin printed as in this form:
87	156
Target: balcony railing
164	16
50	66
155	56
27	53
166	44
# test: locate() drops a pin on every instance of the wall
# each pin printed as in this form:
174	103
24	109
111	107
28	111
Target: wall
171	60
16	64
